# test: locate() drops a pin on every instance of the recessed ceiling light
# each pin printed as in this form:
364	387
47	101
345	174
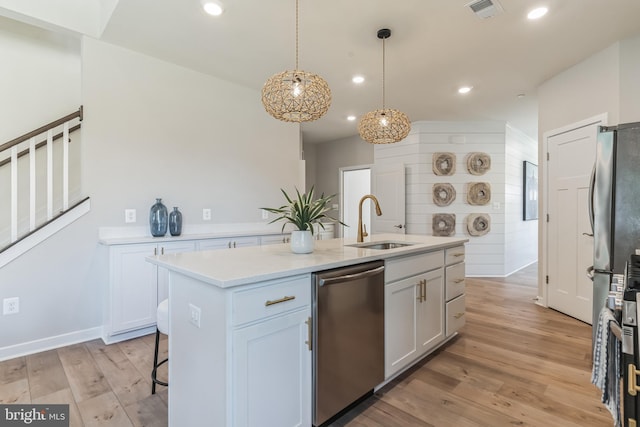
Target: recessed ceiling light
357	79
465	89
351	118
537	13
214	8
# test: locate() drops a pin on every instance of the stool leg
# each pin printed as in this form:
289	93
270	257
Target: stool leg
155	363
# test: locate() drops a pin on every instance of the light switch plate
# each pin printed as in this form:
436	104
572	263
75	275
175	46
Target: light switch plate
265	214
194	316
206	214
129	215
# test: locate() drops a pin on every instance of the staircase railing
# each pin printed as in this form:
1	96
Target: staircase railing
11	151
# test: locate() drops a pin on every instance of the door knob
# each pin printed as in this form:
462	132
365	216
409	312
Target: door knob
399	226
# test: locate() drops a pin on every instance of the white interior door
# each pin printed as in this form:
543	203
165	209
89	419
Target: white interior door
356	182
388	185
569	243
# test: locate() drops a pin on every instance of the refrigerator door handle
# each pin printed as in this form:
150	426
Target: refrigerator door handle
590	272
592	185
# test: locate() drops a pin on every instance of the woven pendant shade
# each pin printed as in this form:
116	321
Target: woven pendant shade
296	95
384	126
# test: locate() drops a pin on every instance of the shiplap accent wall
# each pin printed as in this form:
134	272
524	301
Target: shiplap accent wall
486	255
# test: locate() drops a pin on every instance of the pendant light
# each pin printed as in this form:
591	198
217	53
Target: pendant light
296	95
384	126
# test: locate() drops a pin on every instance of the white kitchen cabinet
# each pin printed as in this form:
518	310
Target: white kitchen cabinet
248	360
455	313
414	309
135	288
272	372
227	243
274	239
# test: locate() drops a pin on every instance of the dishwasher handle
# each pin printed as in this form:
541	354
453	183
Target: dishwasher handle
349	277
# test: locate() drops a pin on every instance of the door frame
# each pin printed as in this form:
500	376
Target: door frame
543	227
341	172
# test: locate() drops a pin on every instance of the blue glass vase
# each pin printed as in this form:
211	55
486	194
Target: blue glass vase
175	222
158	219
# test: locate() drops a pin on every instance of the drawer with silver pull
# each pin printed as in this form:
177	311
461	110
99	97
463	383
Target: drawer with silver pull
455	315
455	281
273	298
454	255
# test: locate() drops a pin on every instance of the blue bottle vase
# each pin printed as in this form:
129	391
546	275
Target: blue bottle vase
175	222
158	219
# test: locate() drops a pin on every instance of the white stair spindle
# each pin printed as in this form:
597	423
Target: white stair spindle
65	167
49	174
32	184
14	193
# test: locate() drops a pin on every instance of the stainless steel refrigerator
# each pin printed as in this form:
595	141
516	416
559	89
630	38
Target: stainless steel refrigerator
615	206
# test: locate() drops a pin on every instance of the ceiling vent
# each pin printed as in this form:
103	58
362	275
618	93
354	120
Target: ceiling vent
484	9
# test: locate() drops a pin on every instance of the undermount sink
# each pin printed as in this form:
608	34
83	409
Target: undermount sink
381	245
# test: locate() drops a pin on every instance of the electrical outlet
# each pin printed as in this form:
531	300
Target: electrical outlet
129	215
265	214
206	214
194	317
10	305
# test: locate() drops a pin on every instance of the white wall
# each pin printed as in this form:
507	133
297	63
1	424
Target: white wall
629	84
521	237
329	157
151	129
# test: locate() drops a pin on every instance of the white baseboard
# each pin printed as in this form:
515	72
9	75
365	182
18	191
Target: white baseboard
49	343
111	339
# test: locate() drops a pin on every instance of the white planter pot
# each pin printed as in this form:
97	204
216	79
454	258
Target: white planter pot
301	242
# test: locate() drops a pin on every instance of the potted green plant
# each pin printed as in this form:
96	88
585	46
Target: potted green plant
303	212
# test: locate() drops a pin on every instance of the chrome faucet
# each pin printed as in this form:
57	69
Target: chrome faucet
362	232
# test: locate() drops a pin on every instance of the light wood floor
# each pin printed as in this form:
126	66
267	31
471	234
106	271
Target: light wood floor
514	364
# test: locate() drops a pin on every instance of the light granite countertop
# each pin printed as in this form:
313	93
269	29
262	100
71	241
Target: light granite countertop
235	267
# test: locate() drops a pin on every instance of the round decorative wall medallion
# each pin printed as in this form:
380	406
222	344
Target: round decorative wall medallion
478	193
443	194
444	163
444	225
478	163
478	224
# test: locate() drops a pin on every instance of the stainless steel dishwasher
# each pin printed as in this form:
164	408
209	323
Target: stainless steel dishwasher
348	337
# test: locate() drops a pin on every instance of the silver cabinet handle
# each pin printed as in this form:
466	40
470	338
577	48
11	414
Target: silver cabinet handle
155	251
229	245
162	250
278	301
309	341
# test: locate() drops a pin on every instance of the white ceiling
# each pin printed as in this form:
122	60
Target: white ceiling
435	46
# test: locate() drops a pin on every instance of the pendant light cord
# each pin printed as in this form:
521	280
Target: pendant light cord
296	34
383	88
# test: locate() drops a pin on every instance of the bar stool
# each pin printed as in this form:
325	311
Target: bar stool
162	328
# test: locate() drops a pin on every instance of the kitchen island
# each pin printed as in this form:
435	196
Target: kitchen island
240	323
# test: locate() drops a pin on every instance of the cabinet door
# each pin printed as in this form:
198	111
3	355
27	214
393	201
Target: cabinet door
401	312
163	273
133	287
272	372
431	312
